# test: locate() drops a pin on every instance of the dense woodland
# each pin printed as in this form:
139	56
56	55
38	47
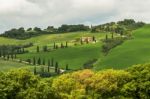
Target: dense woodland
132	83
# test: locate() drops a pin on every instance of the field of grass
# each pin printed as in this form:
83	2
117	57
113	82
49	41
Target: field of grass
74	56
135	51
8	65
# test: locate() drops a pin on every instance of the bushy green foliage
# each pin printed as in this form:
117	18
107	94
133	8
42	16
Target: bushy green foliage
133	83
120	27
21	33
111	43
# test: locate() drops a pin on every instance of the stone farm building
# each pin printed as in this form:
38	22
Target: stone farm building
85	39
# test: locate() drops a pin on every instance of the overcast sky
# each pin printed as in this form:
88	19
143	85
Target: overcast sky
42	13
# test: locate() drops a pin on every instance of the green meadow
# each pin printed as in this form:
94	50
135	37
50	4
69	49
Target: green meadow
133	51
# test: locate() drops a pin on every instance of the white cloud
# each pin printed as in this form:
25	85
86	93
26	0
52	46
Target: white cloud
30	13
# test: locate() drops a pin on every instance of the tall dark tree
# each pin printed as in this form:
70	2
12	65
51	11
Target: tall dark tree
67	67
49	64
66	44
35	70
62	46
112	35
37	49
93	38
106	37
39	61
34	61
56	67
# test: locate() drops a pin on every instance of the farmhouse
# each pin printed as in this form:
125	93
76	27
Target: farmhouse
85	39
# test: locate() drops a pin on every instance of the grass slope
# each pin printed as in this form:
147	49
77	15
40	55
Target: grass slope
7	65
75	56
135	51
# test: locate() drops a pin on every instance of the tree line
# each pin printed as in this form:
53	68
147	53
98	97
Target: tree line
120	27
22	33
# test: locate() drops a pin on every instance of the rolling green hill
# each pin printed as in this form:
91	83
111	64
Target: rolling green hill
134	51
74	56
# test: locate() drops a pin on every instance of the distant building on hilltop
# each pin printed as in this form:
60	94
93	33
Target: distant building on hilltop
86	39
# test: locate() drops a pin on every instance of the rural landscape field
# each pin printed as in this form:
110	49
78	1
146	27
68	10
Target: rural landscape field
73	57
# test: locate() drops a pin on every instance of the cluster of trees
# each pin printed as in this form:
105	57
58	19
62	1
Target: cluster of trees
10	50
22	33
132	83
55	46
110	43
73	28
45	66
120	27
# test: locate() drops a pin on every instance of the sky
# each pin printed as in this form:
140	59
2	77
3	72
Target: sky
43	13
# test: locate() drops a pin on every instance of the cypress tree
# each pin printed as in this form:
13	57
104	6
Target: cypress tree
56	67
62	46
81	42
39	61
34	61
67	67
35	70
93	38
106	37
38	49
66	44
112	36
48	65
87	41
56	47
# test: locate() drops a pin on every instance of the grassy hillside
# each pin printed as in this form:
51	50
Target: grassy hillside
135	51
75	56
7	65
